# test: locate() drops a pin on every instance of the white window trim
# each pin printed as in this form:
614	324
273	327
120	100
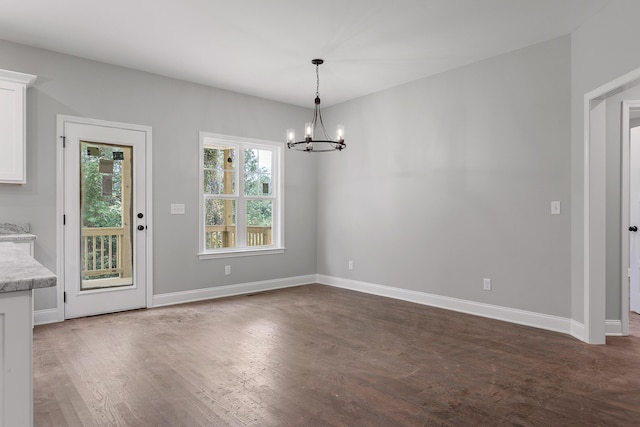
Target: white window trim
277	246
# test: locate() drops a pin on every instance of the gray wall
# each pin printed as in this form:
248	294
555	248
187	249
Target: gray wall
602	50
449	179
446	180
177	111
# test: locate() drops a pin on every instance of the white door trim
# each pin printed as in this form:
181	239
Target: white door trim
594	255
61	120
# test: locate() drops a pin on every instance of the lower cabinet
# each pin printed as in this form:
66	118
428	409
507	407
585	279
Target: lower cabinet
16	381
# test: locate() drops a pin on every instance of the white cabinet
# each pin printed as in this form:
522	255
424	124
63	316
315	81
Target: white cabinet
19	275
16	385
13	91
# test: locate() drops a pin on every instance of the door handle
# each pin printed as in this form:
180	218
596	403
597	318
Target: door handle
633	228
141	227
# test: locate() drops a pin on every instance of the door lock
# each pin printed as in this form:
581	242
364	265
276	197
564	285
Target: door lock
141	227
633	228
140	215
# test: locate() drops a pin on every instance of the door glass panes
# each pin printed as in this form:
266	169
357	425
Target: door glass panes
220	223
259	222
106	215
257	172
219	170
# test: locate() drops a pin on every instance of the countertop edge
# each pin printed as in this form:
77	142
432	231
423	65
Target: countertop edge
20	272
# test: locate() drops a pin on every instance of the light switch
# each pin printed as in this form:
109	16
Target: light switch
555	208
177	209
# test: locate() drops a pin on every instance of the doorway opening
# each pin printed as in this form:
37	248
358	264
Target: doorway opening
594	224
630	303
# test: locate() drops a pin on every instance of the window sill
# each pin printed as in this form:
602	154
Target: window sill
233	253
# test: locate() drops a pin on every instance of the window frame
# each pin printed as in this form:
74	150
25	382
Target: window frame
277	197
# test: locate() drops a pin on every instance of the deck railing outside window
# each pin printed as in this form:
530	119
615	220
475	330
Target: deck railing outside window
223	236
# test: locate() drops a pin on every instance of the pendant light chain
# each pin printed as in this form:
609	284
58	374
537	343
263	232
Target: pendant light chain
317	80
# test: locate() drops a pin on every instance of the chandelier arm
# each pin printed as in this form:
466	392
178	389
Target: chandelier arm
322	124
314	120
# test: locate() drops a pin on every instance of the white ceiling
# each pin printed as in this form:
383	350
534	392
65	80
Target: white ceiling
264	47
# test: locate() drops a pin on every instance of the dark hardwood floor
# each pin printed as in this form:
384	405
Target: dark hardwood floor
316	356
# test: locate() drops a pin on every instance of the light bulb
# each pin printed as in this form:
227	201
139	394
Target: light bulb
340	133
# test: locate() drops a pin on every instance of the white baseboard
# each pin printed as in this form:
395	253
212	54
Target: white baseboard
577	330
613	328
230	290
42	317
521	317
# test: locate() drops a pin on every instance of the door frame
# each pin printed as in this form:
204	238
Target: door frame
593	329
60	190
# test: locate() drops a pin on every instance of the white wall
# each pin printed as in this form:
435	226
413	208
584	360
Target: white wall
602	50
449	179
176	111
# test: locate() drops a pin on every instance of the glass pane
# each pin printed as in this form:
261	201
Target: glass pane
219	170
106	218
257	172
259	222
220	223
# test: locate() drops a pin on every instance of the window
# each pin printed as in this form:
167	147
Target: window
240	196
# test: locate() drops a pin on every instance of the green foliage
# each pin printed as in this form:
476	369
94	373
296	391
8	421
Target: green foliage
259	212
99	210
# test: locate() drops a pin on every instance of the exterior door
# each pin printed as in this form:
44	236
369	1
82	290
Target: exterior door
105	245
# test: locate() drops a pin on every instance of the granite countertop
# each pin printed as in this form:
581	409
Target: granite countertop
15	232
21	237
20	272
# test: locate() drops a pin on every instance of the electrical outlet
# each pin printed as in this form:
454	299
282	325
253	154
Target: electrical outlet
555	207
487	284
350	265
227	270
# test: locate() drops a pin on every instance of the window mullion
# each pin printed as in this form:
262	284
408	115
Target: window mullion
241	207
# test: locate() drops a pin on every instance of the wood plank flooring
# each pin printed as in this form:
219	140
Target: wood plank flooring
320	356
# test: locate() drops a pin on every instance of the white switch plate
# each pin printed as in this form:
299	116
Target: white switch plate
555	208
350	265
177	209
487	284
227	270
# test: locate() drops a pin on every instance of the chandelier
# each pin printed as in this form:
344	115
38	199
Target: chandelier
319	145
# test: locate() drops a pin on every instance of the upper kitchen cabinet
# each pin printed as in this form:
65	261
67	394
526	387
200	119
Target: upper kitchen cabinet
13	96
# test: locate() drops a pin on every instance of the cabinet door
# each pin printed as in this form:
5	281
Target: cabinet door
16	360
12	132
